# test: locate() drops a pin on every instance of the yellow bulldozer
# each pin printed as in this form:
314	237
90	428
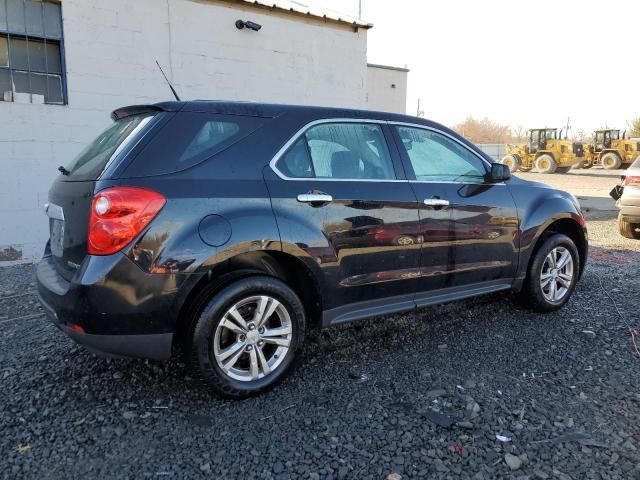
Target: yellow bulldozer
610	151
546	151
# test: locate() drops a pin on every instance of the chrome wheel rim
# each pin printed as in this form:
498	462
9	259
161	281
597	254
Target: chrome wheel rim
252	339
557	274
404	240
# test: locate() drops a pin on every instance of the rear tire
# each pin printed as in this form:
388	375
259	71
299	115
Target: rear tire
240	353
546	164
511	161
628	229
552	275
610	161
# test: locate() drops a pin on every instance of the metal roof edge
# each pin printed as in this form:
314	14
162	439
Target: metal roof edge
301	11
388	67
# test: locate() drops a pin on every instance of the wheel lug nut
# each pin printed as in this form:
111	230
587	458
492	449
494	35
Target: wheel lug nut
252	326
261	330
249	348
260	343
243	338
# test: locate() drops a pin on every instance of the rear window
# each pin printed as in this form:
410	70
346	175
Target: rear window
91	161
188	139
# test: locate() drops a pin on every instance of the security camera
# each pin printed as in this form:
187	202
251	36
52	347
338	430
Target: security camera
240	24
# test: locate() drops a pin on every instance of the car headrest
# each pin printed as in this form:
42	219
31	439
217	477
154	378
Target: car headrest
345	164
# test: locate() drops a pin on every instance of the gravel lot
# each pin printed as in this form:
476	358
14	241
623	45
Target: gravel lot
422	395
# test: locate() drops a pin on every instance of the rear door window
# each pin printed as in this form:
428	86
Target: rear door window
344	151
188	139
91	161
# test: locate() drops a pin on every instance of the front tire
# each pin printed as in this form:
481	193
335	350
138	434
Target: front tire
610	161
546	164
628	229
511	161
553	273
248	338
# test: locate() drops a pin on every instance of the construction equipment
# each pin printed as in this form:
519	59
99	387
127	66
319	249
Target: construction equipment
546	150
610	151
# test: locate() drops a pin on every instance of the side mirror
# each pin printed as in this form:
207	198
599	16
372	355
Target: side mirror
499	173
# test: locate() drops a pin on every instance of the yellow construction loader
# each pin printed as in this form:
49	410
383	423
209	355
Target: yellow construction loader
610	151
546	151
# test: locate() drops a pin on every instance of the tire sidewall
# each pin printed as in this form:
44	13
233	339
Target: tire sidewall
616	161
535	290
553	165
209	319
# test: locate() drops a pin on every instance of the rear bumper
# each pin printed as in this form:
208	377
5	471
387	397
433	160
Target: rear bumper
630	213
152	346
112	307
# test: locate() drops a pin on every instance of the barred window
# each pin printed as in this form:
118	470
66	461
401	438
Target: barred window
31	52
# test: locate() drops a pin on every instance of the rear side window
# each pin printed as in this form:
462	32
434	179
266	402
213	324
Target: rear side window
345	151
188	139
296	163
91	161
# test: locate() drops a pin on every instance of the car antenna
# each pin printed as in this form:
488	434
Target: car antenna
173	90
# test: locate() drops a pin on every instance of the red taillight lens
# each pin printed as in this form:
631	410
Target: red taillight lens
630	180
118	215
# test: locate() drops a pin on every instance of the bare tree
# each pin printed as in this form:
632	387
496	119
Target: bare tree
483	131
519	133
634	128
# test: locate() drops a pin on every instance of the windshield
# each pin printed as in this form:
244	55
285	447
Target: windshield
91	161
552	134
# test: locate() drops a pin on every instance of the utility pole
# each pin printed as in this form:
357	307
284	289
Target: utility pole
359	9
419	113
566	134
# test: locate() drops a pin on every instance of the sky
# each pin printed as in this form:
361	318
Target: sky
533	63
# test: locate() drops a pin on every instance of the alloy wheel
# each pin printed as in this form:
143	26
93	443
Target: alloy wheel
557	274
252	338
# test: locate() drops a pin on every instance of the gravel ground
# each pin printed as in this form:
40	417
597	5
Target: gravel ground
421	395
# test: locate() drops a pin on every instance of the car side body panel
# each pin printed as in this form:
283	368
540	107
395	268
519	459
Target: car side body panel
225	215
540	206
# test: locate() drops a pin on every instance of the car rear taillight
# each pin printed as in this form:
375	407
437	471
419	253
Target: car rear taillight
631	180
118	215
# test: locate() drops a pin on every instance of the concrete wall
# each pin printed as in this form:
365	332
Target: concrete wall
494	150
387	88
111	47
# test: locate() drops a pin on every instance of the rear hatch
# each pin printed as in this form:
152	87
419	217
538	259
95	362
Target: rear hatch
71	194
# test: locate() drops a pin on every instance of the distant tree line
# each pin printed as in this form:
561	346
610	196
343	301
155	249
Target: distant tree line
634	128
487	131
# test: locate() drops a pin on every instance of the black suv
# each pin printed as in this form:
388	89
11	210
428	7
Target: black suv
230	228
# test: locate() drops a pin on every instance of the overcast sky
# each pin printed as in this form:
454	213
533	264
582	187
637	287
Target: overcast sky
529	62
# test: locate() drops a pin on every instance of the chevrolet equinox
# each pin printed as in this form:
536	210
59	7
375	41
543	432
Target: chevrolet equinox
228	229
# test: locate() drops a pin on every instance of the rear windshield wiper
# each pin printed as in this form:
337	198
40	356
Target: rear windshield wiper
63	170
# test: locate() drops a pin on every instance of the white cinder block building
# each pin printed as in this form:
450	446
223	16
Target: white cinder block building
386	88
65	65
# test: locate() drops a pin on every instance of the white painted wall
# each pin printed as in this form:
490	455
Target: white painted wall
387	89
111	47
